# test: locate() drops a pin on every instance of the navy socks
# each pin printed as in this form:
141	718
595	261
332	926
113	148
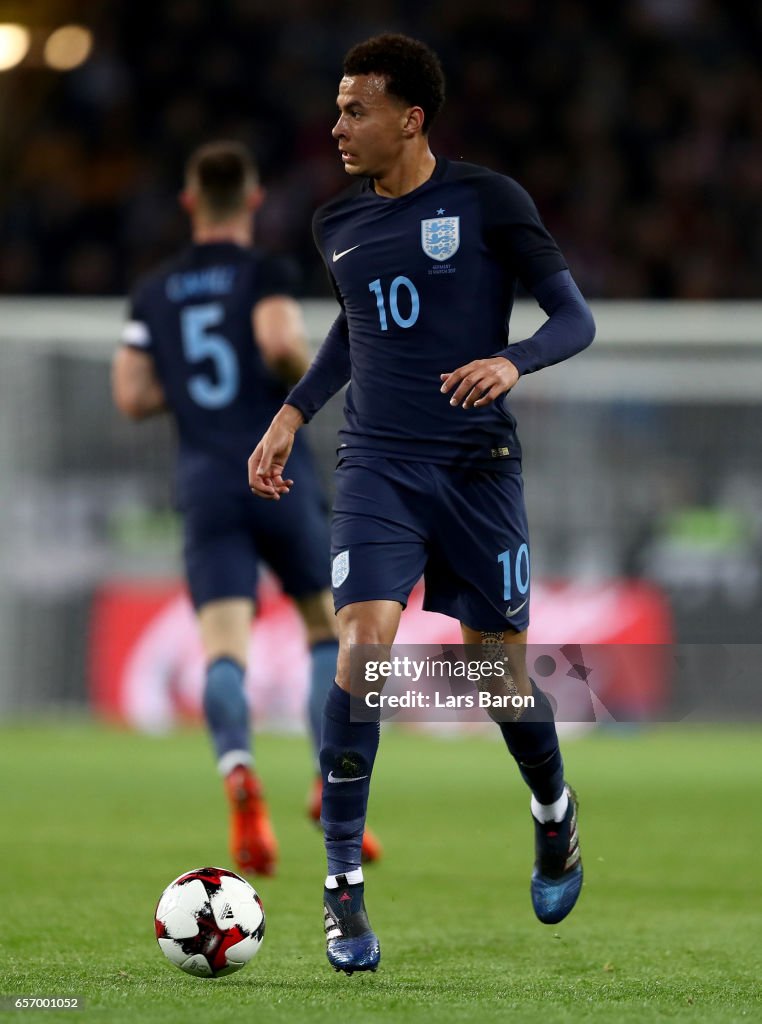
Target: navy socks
533	742
324	655
226	708
346	763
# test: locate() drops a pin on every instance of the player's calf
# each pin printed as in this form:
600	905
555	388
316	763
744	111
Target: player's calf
557	875
372	850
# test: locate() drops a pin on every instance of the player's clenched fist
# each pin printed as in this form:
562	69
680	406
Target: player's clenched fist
268	460
479	382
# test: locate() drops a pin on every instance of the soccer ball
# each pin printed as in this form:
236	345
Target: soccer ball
209	922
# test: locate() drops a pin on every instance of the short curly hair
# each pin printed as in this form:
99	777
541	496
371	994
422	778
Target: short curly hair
412	70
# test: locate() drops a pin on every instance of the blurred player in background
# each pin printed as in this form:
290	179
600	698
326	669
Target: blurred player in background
216	338
424	255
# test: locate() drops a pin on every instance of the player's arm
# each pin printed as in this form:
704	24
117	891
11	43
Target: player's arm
135	387
329	372
280	334
569	329
521	241
331	367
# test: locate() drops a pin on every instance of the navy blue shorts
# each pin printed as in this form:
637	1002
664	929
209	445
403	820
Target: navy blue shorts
464	530
227	533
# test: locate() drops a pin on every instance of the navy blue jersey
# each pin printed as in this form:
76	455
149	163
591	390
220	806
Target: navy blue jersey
427	282
193	315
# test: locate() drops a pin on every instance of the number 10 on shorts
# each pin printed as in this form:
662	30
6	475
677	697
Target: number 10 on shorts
515	571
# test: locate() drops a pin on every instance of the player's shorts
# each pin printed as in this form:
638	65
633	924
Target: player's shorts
464	530
227	533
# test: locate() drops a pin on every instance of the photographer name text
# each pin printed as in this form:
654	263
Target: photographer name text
418	699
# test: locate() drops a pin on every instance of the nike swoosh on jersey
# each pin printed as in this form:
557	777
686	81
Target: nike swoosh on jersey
337	255
510	612
355	778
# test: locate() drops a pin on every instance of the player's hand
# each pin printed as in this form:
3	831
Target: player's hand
268	460
479	382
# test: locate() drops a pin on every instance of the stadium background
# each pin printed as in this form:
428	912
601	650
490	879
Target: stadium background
637	129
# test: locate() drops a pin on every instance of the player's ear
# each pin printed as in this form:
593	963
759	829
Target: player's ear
187	200
413	124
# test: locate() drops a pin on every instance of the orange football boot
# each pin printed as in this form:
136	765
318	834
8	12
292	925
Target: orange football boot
372	850
252	841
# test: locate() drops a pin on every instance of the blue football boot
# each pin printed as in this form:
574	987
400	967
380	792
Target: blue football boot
557	875
351	944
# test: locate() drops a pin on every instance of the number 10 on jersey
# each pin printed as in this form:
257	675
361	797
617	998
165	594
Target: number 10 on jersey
397	317
515	571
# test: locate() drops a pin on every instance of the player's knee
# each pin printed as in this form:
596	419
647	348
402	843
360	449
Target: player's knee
361	628
318	616
320	633
363	635
358	647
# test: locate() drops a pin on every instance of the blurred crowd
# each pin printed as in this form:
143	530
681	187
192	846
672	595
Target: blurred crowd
637	127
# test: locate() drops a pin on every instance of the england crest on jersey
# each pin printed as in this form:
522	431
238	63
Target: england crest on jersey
340	569
440	237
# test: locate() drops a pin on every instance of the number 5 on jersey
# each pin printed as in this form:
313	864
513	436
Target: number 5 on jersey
201	342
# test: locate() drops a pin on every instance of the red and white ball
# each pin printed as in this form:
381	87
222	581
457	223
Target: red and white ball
210	922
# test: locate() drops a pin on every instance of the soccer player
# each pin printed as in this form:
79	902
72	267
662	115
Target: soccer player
216	338
425	255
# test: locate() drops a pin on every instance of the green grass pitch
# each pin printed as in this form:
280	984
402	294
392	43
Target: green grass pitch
96	822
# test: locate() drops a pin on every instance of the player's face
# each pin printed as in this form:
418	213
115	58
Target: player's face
370	130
